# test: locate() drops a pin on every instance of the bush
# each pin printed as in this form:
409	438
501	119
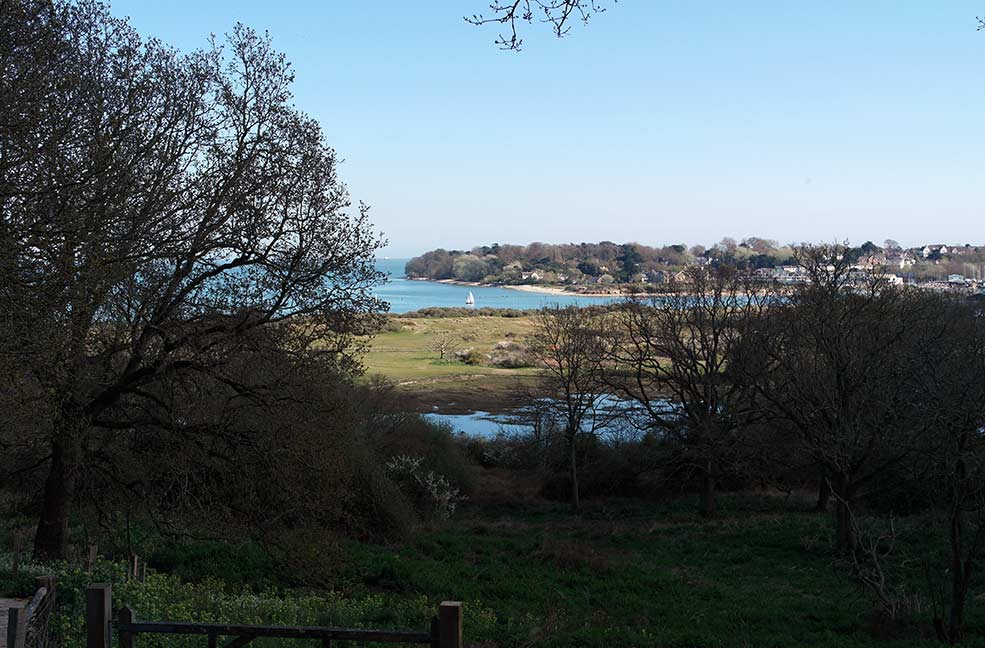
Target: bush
513	451
511	355
20	586
399	434
394	325
241	563
434	498
470	356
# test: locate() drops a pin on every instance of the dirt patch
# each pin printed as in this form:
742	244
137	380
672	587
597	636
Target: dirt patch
461	394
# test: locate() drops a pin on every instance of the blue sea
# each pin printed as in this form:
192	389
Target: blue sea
405	295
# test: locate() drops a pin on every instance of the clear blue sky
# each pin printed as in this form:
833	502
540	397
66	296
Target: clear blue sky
664	121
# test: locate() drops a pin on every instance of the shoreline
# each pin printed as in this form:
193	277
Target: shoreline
555	290
552	290
530	288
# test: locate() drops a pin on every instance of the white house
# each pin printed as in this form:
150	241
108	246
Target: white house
901	261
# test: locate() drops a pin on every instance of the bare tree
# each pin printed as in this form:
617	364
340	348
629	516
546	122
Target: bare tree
949	395
157	212
671	356
559	14
570	344
835	364
443	342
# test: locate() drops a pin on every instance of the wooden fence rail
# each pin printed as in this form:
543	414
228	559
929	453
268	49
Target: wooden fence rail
445	630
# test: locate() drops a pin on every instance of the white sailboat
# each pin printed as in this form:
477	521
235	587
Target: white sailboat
470	300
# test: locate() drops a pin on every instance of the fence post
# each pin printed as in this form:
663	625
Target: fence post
450	625
127	616
91	558
16	620
99	611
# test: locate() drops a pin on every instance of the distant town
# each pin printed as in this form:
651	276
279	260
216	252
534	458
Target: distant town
609	267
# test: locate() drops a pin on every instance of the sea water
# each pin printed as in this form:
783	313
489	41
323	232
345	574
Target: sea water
405	295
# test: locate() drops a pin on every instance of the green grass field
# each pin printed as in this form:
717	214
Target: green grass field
407	358
408	354
630	573
533	573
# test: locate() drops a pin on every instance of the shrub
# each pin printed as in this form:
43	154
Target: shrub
394	325
432	495
513	451
240	563
396	434
511	355
470	356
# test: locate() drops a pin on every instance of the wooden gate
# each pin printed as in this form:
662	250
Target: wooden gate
445	630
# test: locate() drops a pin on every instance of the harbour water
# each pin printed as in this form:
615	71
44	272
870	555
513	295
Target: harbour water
614	422
405	295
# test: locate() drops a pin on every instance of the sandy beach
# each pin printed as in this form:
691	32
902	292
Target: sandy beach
554	290
545	290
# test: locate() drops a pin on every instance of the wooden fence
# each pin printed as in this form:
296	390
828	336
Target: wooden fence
445	630
27	627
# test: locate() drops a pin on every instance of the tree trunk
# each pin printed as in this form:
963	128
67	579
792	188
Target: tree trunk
959	596
51	539
960	570
823	494
845	540
706	504
575	499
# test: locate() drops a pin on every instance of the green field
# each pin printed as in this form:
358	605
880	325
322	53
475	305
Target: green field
407	358
533	573
407	355
631	573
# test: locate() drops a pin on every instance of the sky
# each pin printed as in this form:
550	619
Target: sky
661	122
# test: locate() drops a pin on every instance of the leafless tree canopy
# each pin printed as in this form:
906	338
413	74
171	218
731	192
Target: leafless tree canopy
571	342
677	349
559	14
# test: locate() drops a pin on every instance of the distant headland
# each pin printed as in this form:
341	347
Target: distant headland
608	268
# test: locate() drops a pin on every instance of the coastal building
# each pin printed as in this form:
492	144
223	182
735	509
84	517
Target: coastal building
900	261
929	250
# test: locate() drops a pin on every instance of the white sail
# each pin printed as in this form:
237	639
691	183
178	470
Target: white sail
470	300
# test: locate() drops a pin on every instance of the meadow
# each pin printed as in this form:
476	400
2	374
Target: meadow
404	353
532	573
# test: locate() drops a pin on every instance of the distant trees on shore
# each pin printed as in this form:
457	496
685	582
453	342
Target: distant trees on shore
641	265
584	261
